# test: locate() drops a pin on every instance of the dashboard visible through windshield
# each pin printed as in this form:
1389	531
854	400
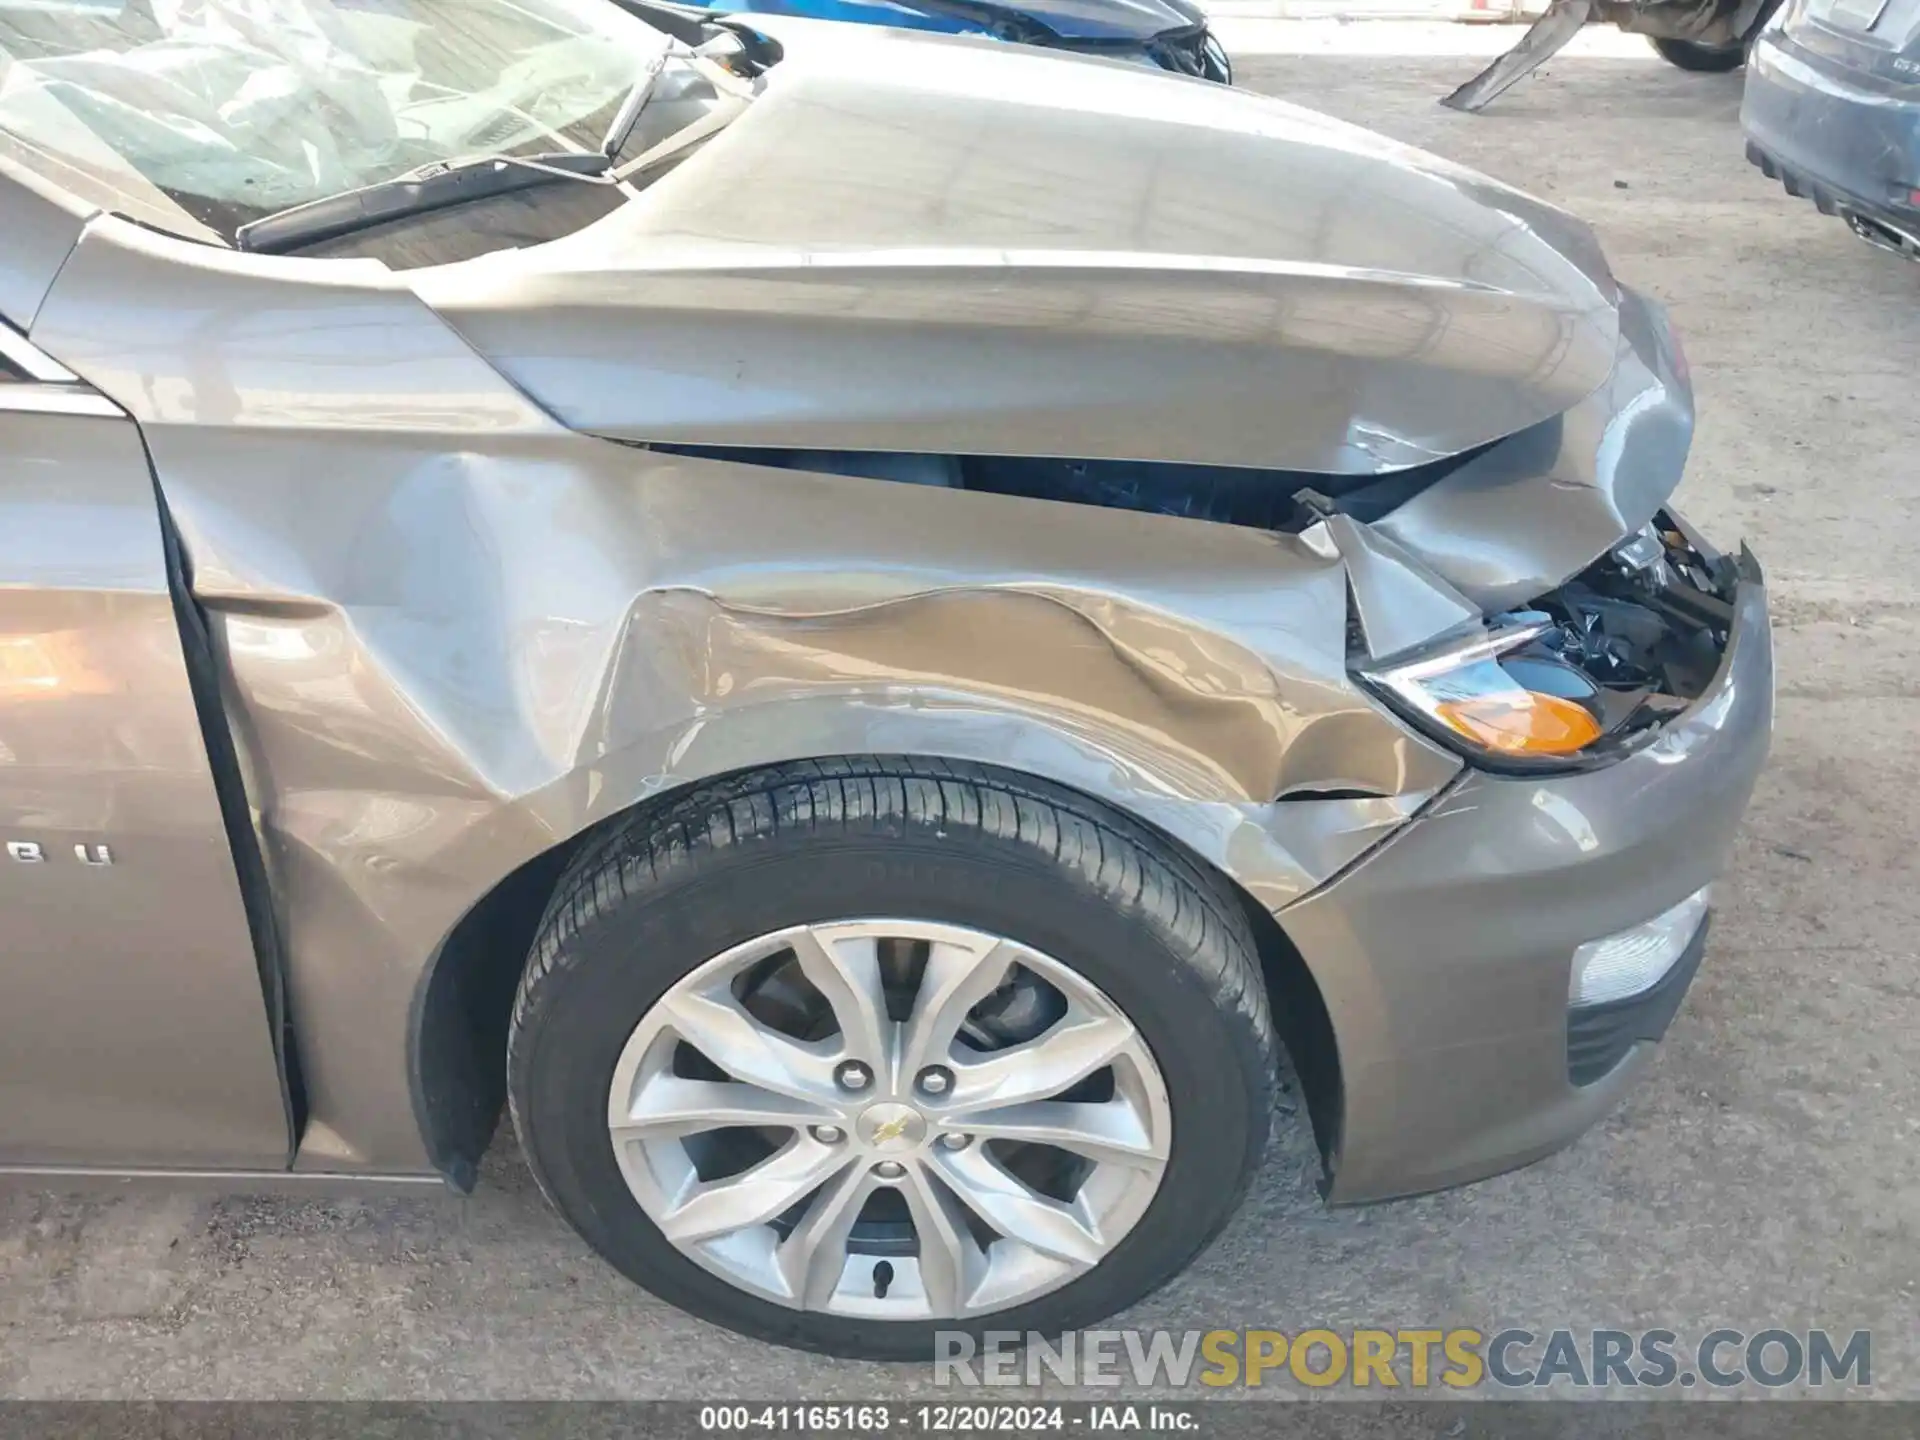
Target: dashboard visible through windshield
236	109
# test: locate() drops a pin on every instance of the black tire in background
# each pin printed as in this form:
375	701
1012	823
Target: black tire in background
1703	59
653	898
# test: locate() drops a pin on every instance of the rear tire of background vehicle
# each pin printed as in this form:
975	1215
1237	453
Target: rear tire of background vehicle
1703	59
1134	933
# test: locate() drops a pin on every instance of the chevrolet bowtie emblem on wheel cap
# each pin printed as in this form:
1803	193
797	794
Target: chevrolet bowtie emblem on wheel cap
892	1126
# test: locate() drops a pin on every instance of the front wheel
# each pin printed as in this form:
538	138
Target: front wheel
1704	59
845	1054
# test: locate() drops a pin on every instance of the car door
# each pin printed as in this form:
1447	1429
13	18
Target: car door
134	1021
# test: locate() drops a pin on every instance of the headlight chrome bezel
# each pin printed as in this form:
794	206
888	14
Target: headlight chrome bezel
1420	686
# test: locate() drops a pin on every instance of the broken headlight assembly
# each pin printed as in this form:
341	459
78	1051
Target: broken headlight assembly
1585	674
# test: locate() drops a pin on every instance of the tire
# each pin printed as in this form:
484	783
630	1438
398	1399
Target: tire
658	896
1702	59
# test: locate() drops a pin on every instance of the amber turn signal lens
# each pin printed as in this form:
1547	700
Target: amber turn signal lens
1522	722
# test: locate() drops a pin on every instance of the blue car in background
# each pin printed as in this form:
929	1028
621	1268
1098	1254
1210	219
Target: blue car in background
1170	34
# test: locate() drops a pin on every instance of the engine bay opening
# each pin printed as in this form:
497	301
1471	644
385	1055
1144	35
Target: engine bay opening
1287	501
1644	630
1586	673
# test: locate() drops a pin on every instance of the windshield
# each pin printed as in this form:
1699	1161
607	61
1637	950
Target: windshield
235	109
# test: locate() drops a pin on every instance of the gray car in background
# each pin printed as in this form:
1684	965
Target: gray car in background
1832	111
712	593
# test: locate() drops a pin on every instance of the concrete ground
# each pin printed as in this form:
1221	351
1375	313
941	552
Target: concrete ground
1767	1173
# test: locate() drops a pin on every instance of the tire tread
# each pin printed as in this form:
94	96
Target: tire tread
638	859
1153	880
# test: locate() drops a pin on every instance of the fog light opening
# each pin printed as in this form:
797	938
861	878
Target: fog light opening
1632	961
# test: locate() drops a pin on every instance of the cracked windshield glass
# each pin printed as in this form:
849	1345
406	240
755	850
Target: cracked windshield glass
228	110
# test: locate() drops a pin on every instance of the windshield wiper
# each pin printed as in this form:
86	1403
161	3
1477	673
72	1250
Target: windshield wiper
479	177
628	115
447	182
430	187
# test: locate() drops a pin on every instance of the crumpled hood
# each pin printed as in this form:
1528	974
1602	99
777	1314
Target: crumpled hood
955	245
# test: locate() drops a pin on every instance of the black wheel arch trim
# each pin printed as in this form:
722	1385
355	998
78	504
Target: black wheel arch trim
461	1006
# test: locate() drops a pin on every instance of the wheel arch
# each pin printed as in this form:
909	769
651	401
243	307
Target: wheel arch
457	1031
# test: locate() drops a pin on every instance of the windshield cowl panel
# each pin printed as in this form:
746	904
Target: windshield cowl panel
236	109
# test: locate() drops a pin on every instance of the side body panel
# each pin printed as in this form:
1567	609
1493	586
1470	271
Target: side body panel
41	226
132	1025
459	634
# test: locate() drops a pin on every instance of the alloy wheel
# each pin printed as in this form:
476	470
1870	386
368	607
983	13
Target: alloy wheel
895	1119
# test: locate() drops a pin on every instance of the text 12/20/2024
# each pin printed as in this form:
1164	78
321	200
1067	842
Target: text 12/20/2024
964	1418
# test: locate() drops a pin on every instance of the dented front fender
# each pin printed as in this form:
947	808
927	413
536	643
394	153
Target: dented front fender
458	634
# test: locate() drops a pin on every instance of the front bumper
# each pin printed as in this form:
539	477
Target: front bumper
1848	142
1444	956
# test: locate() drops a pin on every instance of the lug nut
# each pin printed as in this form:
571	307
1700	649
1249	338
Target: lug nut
955	1142
829	1134
935	1080
852	1075
889	1169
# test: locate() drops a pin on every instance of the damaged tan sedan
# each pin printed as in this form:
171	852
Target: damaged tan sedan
859	629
